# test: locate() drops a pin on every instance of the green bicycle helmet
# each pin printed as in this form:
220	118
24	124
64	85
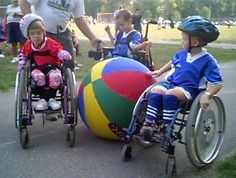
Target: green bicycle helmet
199	27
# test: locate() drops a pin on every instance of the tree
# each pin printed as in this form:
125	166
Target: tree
205	12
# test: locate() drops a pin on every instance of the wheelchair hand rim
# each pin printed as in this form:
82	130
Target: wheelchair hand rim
209	132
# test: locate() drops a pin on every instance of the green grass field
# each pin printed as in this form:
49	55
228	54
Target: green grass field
226	35
161	54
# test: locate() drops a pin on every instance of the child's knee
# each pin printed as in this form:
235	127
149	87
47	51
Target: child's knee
38	77
55	78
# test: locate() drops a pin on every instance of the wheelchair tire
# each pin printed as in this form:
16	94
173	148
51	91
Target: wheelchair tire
24	137
72	95
126	152
204	133
70	136
171	167
21	96
16	100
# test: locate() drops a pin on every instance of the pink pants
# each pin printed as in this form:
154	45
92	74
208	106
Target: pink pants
54	78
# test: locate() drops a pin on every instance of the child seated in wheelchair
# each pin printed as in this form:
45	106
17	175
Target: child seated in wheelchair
46	56
127	40
190	69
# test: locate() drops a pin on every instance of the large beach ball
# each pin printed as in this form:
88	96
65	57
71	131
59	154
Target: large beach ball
108	94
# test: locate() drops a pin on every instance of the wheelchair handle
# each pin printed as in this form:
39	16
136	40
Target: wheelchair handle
152	22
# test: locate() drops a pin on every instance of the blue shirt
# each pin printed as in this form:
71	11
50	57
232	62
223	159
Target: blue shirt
194	71
122	48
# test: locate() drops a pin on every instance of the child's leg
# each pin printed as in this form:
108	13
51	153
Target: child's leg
38	77
171	102
154	106
54	78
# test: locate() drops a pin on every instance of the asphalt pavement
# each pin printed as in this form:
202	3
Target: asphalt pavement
48	155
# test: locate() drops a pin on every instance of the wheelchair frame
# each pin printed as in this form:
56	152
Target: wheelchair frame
24	98
204	132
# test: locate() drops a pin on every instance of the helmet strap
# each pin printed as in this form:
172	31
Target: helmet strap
191	47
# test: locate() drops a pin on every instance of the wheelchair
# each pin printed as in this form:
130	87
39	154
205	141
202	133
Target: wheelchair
142	56
25	96
204	132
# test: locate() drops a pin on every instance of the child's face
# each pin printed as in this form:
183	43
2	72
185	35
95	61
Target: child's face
36	35
124	25
185	40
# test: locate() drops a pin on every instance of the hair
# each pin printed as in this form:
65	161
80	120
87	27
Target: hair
124	14
37	24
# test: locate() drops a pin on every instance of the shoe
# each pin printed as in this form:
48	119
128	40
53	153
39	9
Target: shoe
54	104
148	129
2	55
41	105
14	60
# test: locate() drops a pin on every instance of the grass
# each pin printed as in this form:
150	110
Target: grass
226	35
227	168
161	54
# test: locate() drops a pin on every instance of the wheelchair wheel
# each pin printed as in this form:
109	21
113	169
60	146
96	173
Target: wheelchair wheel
126	152
71	98
171	167
20	98
139	112
205	132
24	137
70	136
16	101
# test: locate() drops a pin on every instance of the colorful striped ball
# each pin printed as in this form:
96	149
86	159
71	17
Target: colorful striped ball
108	93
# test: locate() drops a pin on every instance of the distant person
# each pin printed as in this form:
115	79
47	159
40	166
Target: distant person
14	36
127	40
136	19
56	15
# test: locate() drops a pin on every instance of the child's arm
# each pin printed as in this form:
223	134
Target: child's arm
205	98
161	71
140	46
108	30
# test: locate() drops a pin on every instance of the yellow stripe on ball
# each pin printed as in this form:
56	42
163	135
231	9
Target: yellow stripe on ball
95	118
96	72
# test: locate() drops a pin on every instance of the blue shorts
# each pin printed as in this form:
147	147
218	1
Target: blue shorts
14	34
190	93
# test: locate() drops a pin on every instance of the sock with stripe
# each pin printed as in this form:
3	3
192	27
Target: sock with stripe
170	105
154	107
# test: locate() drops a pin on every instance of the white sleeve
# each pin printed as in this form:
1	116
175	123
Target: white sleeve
33	2
78	9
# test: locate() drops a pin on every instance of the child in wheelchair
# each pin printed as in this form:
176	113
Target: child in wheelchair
189	71
127	40
46	57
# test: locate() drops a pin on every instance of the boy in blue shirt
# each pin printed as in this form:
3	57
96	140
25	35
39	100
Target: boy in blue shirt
190	69
127	40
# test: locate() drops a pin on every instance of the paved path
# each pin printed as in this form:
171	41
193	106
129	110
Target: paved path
49	156
214	45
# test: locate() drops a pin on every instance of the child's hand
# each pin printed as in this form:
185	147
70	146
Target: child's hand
149	44
204	101
107	28
155	73
22	62
21	65
64	56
